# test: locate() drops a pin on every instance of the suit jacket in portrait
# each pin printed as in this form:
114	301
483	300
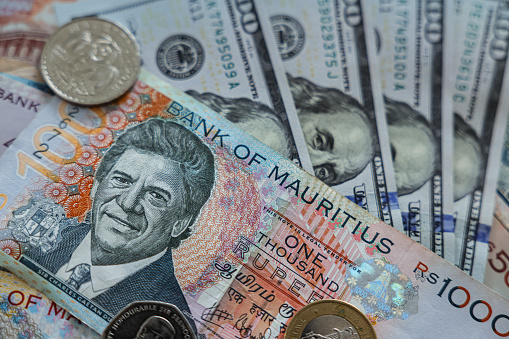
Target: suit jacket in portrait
155	281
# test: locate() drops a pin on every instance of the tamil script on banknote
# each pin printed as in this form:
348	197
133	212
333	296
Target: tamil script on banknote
268	240
338	100
475	81
409	54
218	51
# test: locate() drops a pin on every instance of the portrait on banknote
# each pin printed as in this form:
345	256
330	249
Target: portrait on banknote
468	159
254	117
413	146
139	214
338	132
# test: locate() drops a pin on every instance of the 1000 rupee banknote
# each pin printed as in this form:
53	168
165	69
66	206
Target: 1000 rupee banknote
219	52
248	238
338	100
496	274
477	78
26	313
409	54
19	103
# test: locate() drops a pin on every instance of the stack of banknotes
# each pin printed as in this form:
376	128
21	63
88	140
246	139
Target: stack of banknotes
326	149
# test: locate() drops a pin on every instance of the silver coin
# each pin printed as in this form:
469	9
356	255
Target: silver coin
149	319
90	61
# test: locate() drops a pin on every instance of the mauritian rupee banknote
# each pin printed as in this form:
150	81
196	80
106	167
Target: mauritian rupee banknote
26	313
19	103
476	79
219	224
25	25
221	52
409	53
338	99
496	275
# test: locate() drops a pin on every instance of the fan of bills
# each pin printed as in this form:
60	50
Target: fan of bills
268	155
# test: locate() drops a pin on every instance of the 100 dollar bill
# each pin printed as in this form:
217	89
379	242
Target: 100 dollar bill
476	81
410	37
338	99
233	233
219	52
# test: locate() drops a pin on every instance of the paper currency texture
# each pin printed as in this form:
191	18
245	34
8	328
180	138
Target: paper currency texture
338	100
220	53
229	231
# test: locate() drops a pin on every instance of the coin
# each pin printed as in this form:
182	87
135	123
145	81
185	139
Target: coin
329	319
149	319
90	61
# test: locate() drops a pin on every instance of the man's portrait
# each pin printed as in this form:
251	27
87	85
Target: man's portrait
468	159
413	145
253	117
148	191
338	132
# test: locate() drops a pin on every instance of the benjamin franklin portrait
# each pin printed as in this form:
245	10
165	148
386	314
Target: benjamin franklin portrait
337	131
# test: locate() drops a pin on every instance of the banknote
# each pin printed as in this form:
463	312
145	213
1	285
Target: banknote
26	313
476	78
25	25
19	103
338	100
409	54
35	84
496	275
248	238
220	53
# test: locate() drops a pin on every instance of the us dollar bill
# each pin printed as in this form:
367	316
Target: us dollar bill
165	200
409	54
338	99
476	80
217	51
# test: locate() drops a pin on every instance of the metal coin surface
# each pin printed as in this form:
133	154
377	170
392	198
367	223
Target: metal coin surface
149	319
329	319
90	61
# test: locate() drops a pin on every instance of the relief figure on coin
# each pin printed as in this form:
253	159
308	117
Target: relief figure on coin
337	130
96	69
156	327
329	327
414	147
255	118
148	192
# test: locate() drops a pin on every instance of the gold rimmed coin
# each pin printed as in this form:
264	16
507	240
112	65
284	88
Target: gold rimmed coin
90	61
329	319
